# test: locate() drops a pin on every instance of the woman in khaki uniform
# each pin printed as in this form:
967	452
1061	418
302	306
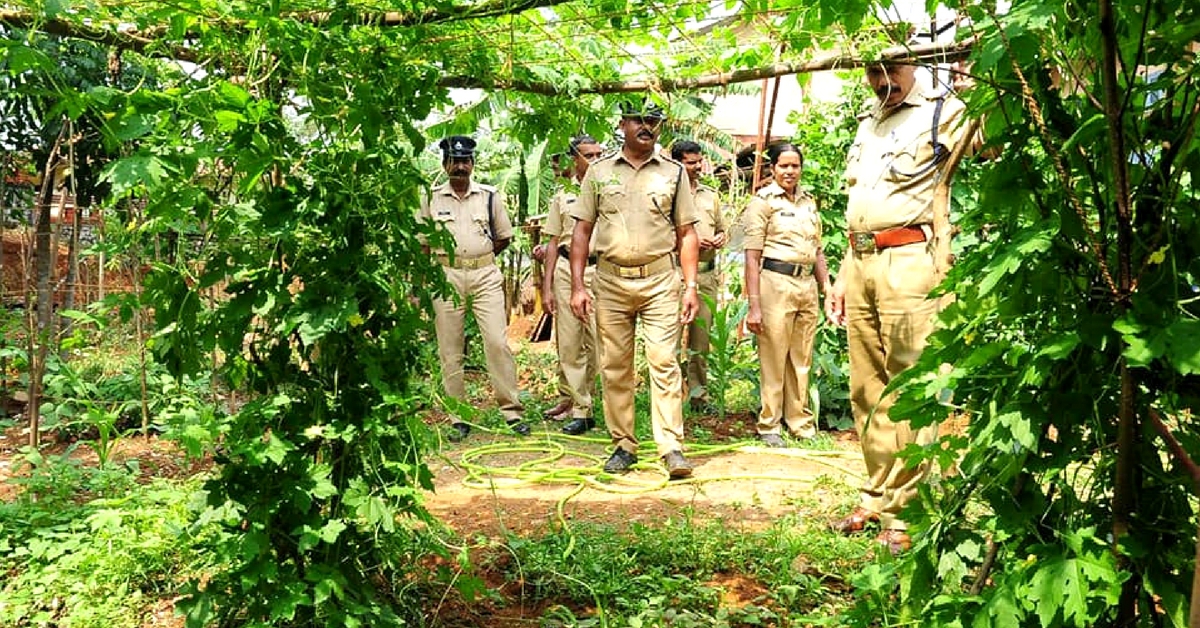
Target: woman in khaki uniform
785	274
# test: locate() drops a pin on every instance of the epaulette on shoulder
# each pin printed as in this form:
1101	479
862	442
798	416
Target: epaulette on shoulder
486	187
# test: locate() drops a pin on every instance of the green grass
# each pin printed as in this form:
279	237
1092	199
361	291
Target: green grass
102	562
671	574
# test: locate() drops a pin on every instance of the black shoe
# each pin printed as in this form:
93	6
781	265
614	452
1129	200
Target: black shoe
620	461
677	466
458	432
578	426
520	428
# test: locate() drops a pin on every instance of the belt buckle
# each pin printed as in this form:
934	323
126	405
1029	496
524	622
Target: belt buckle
863	241
630	272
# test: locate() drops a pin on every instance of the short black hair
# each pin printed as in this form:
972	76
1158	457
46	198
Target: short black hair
684	147
580	140
775	150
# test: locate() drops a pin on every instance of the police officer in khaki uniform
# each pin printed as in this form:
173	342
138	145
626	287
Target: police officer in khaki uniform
474	215
785	272
881	293
710	231
640	207
575	338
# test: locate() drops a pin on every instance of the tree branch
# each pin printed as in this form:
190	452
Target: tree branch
1176	449
923	54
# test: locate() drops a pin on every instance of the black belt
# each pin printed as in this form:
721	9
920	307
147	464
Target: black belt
708	266
787	268
565	253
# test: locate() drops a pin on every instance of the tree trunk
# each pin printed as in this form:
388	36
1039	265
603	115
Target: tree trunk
5	166
40	332
1125	484
72	279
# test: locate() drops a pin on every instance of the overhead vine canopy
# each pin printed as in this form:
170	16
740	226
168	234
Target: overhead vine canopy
539	46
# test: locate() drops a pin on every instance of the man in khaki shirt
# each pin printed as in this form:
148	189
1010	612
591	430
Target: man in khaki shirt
639	206
575	339
881	291
710	231
474	216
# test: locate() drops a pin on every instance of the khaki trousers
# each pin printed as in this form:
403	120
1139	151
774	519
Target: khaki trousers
785	347
620	303
576	342
888	319
482	290
697	339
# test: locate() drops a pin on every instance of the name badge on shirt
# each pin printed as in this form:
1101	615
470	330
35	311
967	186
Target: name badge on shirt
444	214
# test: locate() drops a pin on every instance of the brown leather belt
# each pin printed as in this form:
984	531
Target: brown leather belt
786	268
467	263
872	241
565	253
658	266
707	267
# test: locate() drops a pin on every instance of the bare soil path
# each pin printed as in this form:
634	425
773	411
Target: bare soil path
496	484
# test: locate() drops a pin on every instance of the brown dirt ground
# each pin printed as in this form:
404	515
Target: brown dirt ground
484	489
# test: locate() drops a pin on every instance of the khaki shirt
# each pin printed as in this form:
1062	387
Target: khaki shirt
711	222
889	148
635	211
783	230
468	219
559	221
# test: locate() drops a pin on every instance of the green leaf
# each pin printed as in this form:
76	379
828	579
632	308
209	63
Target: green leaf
1000	611
1183	346
105	519
133	172
54	8
284	603
377	512
1060	345
228	121
277	449
234	96
22	59
1020	428
331	530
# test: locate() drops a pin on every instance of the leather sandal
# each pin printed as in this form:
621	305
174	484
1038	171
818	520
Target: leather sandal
856	521
895	541
559	410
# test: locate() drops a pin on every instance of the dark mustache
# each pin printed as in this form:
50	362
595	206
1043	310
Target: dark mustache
883	90
645	134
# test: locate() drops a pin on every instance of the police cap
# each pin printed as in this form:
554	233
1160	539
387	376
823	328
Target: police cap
457	147
645	109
